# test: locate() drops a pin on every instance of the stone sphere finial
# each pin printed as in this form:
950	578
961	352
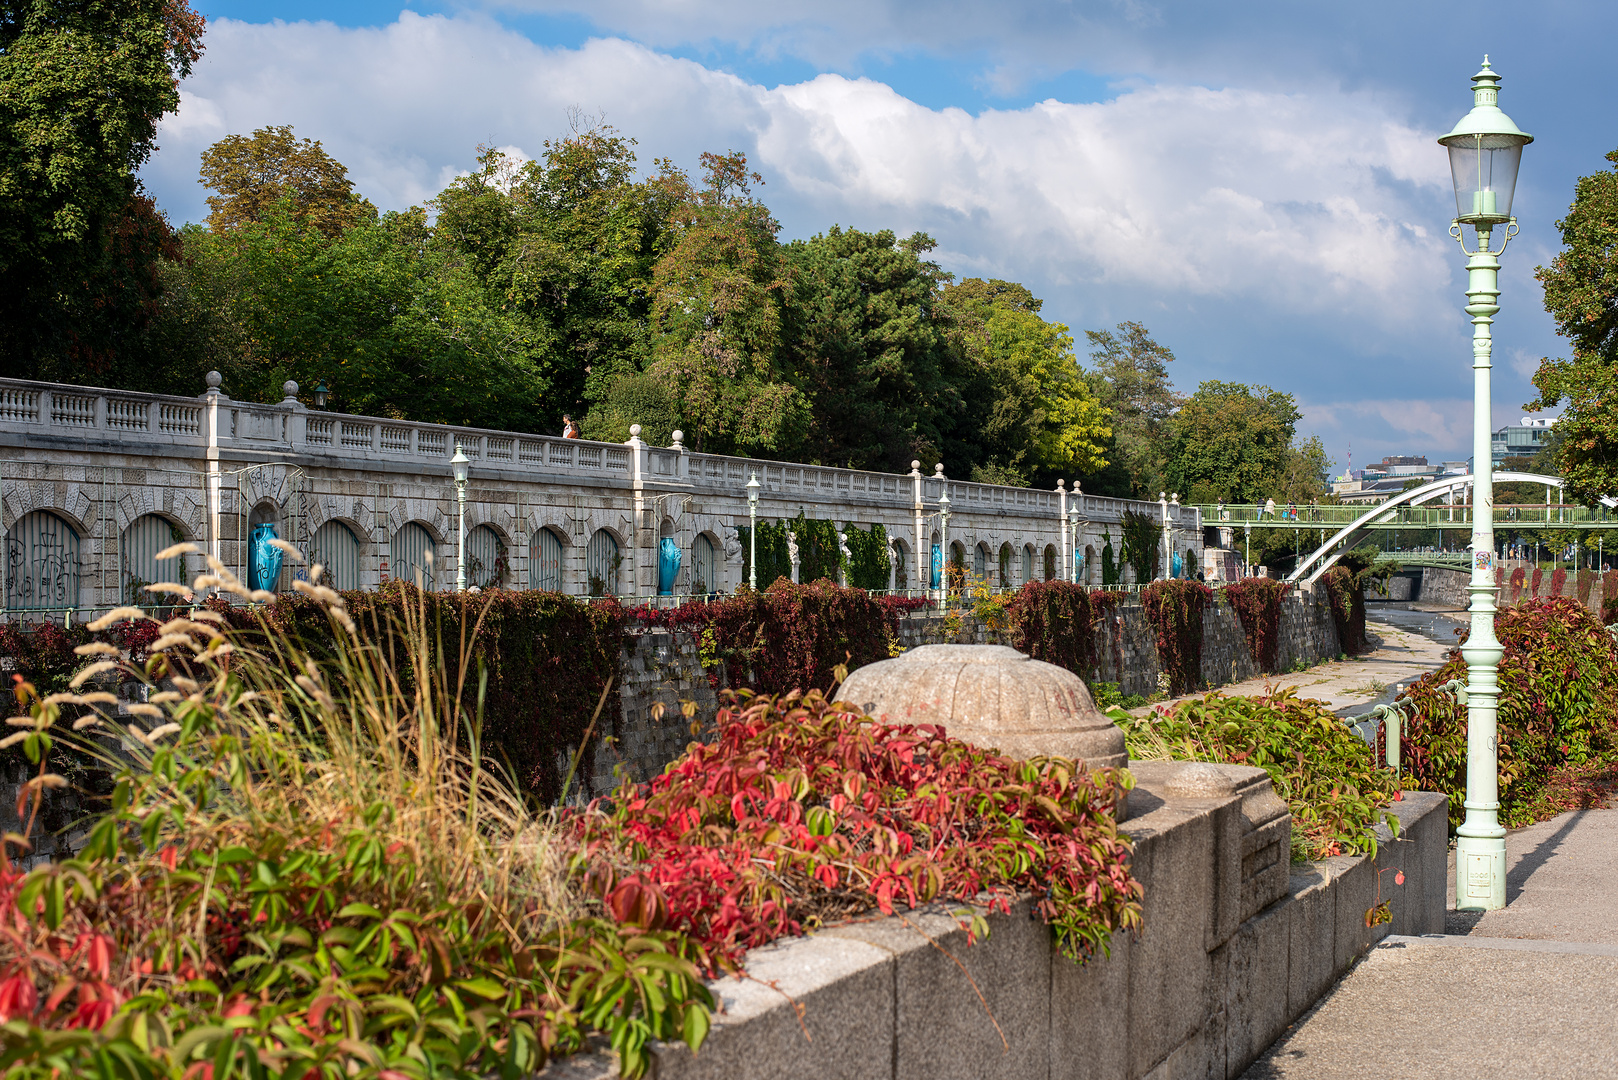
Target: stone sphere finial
634	431
289	389
915	466
938	470
678	439
213	379
1061	485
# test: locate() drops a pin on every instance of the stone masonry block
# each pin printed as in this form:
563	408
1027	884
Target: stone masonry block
1354	882
1168	971
1090	1015
944	1032
1311	937
1420	851
1256	989
846	990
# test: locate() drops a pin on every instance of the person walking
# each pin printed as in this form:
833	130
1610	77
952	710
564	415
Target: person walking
1269	508
570	430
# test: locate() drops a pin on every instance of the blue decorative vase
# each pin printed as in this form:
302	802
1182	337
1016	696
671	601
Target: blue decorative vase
266	559
668	566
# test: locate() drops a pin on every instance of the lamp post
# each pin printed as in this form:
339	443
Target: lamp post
943	538
1077	520
459	464
752	531
321	392
1063	570
1484	151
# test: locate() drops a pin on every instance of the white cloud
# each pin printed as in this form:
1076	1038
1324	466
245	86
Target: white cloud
1224	215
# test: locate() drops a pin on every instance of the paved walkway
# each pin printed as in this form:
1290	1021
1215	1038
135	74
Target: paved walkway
1527	991
1351	687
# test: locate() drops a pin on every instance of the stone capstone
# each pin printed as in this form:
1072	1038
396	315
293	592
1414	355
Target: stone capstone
990	696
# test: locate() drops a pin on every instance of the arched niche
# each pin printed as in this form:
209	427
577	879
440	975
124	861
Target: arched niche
546	552
601	563
42	563
335	547
412	556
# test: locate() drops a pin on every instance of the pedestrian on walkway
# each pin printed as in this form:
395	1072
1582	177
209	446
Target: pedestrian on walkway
1269	508
570	430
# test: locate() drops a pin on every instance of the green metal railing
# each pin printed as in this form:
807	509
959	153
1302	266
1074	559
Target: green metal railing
1425	516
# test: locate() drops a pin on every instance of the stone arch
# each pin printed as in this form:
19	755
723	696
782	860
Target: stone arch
408	552
547	559
1003	566
138	565
603	562
1091	569
338	548
488	559
42	562
1028	559
899	577
705	563
1050	569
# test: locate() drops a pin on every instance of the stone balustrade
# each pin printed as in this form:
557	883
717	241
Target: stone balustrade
94	482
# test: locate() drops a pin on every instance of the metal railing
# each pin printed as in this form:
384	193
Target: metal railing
1392	719
1425	516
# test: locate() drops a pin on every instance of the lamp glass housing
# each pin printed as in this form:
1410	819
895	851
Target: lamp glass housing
460	465
1484	167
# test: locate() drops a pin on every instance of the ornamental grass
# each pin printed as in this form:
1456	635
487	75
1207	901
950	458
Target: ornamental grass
307	870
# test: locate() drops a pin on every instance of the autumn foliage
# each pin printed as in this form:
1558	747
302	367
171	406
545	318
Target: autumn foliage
804	810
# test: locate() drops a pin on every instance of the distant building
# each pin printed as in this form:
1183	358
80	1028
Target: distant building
1522	440
1380	482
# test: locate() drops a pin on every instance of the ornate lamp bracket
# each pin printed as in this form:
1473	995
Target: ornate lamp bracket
1506	235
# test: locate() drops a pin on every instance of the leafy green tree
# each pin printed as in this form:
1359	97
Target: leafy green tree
83	84
1130	377
393	326
1581	294
1231	442
253	176
716	316
871	349
1037	417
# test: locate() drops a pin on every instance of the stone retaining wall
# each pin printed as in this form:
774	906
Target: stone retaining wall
1238	943
657	666
1449	587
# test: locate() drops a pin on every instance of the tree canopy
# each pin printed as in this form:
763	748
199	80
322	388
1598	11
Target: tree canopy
575	283
83	84
1581	294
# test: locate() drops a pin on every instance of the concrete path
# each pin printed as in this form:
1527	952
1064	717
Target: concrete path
1351	687
1525	991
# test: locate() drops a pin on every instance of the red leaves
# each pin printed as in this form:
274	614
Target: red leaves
801	811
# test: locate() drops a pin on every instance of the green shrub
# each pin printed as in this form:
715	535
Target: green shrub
1326	773
1558	704
547	658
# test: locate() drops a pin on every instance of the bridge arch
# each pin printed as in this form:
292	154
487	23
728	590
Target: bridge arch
1321	559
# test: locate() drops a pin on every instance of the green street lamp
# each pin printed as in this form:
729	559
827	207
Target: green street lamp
943	535
1078	521
1484	151
752	531
460	465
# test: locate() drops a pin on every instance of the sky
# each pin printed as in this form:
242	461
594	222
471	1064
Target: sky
1256	182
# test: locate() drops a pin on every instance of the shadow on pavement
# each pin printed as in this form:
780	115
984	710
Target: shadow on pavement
1519	874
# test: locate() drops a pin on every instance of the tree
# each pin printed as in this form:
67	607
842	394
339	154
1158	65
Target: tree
1581	294
870	347
83	84
716	316
1036	416
1130	377
254	175
1229	443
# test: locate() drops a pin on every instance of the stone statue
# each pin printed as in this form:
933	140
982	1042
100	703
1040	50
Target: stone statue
733	546
792	550
842	546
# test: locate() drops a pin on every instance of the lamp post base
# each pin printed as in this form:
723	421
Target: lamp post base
1480	872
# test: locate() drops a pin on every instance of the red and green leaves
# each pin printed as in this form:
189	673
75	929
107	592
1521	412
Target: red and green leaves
804	811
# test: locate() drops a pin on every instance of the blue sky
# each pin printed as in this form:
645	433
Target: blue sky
1257	183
